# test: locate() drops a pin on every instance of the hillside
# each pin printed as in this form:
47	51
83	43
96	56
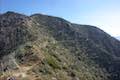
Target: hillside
42	47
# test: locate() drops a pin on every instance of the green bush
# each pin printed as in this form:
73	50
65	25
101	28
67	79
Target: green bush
52	62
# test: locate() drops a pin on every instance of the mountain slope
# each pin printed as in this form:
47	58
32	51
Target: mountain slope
41	47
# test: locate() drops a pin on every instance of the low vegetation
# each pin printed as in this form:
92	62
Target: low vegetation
41	47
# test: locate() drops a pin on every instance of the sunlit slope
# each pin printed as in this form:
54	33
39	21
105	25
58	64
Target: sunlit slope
42	47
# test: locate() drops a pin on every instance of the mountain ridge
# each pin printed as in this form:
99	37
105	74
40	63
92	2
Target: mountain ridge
42	47
118	37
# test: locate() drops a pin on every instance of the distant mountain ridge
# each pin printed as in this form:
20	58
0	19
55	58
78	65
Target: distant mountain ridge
42	47
118	37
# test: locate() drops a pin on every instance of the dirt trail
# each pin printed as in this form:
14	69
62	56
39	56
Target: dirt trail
23	70
20	72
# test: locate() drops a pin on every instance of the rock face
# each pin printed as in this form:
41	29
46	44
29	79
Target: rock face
41	47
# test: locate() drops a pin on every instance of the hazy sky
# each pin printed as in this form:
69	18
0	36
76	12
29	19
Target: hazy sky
104	14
